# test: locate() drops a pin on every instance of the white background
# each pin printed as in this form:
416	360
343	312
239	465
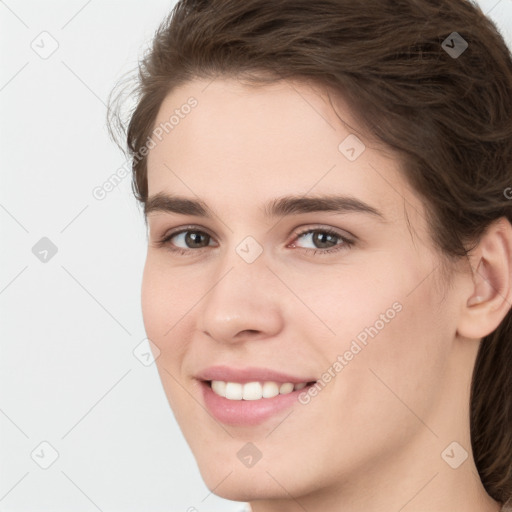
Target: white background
68	375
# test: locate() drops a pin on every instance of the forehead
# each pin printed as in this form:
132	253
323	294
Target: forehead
242	144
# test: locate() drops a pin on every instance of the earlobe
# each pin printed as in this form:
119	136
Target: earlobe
491	290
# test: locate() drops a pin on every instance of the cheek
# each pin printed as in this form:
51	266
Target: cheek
415	355
401	341
346	302
388	322
164	305
165	302
153	301
165	297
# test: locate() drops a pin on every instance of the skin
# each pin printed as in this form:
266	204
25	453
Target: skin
372	439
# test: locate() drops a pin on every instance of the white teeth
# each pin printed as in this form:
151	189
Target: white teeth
219	387
253	390
270	389
286	388
234	391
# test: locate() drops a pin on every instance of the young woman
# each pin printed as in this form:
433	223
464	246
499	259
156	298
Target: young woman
328	192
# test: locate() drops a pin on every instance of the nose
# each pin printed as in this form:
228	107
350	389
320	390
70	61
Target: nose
242	303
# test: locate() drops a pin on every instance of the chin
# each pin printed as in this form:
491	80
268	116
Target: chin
274	478
247	484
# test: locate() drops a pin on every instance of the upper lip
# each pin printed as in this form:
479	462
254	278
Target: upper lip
248	374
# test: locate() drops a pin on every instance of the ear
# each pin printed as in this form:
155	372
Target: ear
490	293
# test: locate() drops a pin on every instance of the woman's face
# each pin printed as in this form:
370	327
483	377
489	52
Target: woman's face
294	254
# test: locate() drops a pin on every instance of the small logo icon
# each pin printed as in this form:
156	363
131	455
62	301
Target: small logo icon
454	455
44	455
249	455
249	249
44	250
352	147
454	45
45	45
146	352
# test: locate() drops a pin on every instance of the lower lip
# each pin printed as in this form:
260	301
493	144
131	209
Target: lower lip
246	412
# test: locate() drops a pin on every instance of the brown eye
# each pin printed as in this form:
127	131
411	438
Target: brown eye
320	239
323	240
195	239
190	239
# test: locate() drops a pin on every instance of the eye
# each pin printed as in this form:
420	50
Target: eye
186	239
321	240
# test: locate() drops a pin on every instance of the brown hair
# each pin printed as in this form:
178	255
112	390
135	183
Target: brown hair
449	117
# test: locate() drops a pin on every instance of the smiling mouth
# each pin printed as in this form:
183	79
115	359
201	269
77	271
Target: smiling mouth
256	390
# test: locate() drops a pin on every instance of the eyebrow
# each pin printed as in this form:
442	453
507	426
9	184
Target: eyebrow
279	207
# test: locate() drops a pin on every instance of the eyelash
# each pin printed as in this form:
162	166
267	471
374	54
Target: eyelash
345	244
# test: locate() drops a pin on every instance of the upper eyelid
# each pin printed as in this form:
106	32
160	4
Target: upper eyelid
297	230
342	233
184	229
